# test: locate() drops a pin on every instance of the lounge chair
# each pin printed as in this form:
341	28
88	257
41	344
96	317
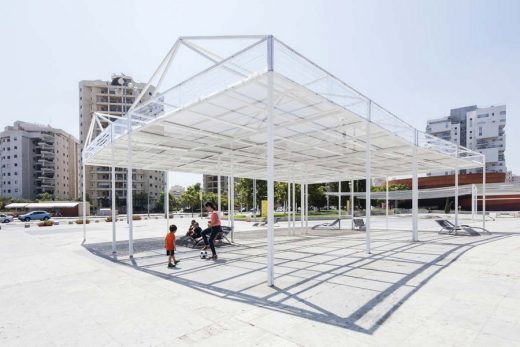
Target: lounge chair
358	224
449	228
221	236
334	225
263	223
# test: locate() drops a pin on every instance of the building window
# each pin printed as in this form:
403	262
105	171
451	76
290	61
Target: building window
479	131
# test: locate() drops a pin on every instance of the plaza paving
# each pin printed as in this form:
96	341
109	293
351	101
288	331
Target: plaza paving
443	290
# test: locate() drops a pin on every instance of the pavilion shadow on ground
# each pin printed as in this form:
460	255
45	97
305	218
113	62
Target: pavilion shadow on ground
325	276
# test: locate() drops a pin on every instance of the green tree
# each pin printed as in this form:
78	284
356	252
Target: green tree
317	195
140	202
280	193
447	206
191	197
244	192
45	196
174	203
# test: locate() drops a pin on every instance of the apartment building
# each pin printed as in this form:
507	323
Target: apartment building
210	183
114	97
479	129
177	191
38	159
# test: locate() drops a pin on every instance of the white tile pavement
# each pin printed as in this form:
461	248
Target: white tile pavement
443	290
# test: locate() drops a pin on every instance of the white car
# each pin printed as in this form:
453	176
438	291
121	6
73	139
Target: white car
4	218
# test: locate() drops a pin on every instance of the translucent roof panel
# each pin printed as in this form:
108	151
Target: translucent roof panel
215	123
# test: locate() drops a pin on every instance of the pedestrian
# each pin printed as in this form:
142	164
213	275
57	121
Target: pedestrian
169	245
214	228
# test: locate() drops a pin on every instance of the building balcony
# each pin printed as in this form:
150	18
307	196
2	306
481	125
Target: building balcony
47	138
46	162
47	154
46	146
118	180
47	170
45	179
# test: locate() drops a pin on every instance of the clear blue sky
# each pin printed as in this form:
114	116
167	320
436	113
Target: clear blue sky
416	58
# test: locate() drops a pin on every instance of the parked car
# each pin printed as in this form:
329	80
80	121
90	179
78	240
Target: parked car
34	215
5	218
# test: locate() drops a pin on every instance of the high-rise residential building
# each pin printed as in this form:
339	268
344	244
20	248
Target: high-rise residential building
177	191
210	184
479	129
114	97
38	159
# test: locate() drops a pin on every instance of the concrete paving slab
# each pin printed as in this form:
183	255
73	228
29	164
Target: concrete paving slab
443	290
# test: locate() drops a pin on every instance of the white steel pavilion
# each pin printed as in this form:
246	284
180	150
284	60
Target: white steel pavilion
263	111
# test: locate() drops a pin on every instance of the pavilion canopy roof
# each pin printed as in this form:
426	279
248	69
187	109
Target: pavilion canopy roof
215	123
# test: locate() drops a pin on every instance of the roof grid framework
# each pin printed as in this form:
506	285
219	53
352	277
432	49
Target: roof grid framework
214	122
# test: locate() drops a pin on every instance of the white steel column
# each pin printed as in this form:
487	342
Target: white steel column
368	167
386	204
415	193
254	200
114	247
294	206
339	203
270	165
484	194
352	204
84	197
167	201
457	196
229	200
232	190
289	212
473	200
302	203
306	207
219	196
129	192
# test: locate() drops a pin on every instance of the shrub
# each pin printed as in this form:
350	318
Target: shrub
108	219
80	221
46	223
136	217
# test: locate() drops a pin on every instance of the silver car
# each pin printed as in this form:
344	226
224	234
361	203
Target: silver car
5	218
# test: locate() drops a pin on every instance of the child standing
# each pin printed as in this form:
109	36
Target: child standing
169	244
